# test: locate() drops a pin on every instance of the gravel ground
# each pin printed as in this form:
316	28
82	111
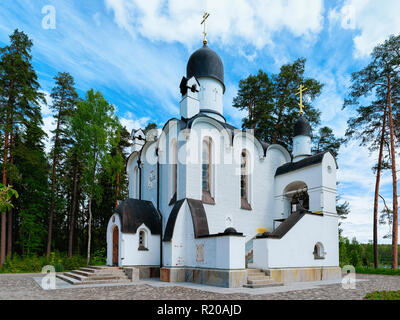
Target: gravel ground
23	287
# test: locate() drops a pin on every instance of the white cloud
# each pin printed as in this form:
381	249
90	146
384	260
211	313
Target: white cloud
130	123
376	21
254	22
49	124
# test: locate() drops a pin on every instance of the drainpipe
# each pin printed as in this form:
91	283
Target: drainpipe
158	209
140	179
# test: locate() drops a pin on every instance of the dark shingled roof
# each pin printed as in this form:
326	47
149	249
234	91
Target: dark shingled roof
199	218
307	162
134	213
169	229
285	226
205	62
302	127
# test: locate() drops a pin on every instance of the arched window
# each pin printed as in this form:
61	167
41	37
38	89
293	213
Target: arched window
319	251
297	195
244	181
142	241
206	171
136	183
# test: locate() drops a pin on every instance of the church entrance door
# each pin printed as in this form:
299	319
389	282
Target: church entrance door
115	246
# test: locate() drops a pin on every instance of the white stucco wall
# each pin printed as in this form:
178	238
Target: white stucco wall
220	252
128	254
211	94
295	249
265	190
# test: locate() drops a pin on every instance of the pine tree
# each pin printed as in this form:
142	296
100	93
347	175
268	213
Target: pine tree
64	102
326	141
271	101
33	187
374	122
19	101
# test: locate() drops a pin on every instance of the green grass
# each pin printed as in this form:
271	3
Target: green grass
61	262
383	295
385	271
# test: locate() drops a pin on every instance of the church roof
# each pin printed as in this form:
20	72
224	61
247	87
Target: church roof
288	224
134	213
307	162
302	127
205	62
199	218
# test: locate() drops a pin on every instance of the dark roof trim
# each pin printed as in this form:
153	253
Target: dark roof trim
133	213
169	229
307	162
286	226
199	217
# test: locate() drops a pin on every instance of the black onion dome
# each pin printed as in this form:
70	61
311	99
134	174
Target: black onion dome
302	127
230	231
205	63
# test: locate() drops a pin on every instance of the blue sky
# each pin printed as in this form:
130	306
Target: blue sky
135	53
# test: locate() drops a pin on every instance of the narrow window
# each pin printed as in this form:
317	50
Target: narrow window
206	172
244	181
136	184
142	241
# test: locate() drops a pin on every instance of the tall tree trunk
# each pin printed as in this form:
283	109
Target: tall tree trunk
53	185
4	182
73	210
377	185
10	211
89	230
394	176
90	216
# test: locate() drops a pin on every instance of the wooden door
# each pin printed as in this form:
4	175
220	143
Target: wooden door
115	246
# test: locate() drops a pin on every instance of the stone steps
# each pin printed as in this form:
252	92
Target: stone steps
94	275
258	279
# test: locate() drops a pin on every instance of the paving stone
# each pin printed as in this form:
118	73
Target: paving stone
23	286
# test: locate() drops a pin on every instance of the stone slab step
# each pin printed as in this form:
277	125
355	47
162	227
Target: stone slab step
263	281
93	277
68	279
255	272
87	269
258	277
272	284
104	273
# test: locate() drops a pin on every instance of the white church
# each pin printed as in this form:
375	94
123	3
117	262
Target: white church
211	204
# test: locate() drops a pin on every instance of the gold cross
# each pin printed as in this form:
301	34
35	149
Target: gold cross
205	16
300	92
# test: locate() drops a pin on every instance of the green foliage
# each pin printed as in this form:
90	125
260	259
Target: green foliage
326	140
362	255
386	271
34	264
6	194
272	103
383	295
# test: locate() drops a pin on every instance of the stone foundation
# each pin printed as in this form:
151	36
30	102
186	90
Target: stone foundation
211	277
305	274
142	272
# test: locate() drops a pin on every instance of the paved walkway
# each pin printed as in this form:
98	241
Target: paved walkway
26	286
